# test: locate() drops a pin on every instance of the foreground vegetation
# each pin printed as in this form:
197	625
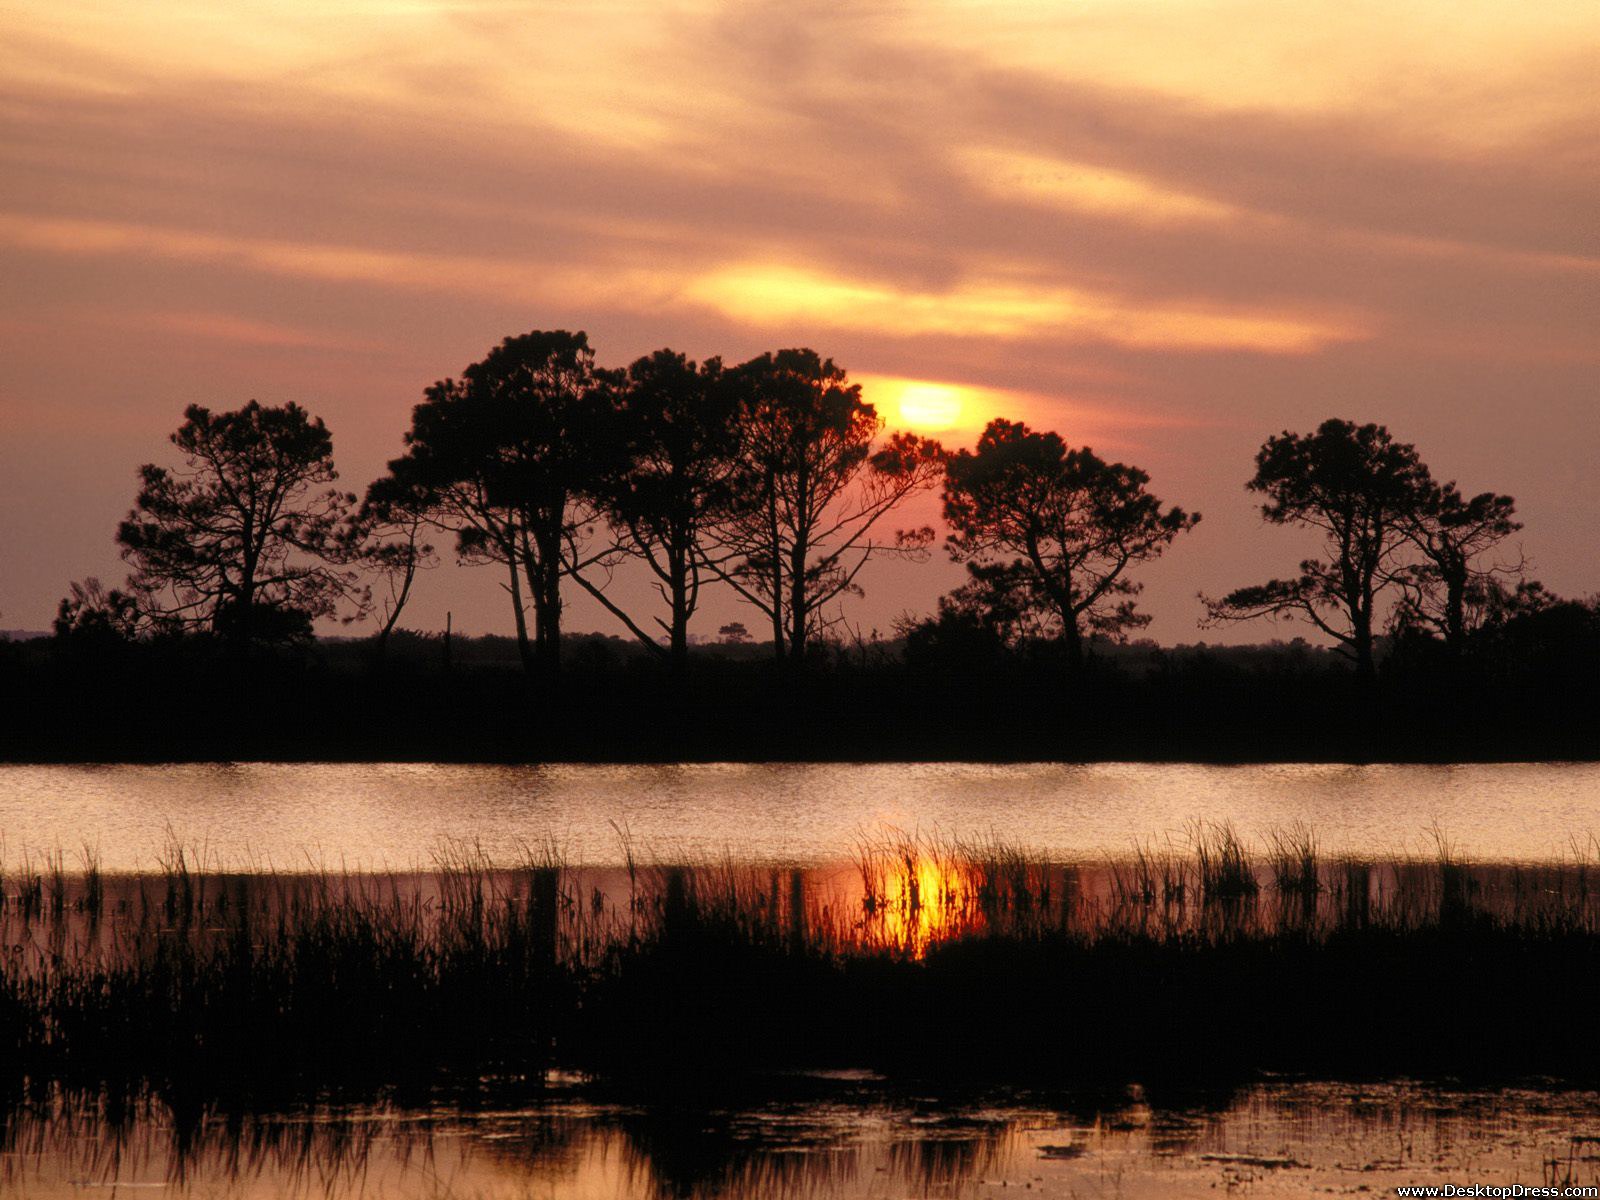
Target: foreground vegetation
1207	963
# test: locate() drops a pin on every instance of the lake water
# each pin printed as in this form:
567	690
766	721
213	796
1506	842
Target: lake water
820	1136
397	815
844	1134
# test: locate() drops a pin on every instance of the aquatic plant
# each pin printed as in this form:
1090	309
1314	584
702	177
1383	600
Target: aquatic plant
929	955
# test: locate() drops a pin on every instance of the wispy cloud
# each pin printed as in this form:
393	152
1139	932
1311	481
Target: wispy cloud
773	296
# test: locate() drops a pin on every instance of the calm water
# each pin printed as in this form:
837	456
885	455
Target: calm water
829	1137
842	1135
397	815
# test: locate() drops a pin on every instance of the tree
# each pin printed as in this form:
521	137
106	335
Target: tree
811	491
997	611
733	633
1005	598
94	616
1450	590
1364	492
1075	523
388	541
1532	633
673	479
505	455
245	540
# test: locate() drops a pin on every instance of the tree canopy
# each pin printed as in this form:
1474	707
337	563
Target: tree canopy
1072	523
245	539
812	485
508	453
1450	588
671	482
776	479
1360	489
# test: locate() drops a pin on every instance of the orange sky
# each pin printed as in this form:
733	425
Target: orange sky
1164	228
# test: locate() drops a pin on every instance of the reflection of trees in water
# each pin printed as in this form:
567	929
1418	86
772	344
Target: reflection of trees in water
674	1153
321	1151
659	1151
850	1141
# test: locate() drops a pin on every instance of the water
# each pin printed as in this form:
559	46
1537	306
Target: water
392	815
846	1134
844	1137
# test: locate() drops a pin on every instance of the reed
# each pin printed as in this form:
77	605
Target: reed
1293	856
1222	863
92	899
930	955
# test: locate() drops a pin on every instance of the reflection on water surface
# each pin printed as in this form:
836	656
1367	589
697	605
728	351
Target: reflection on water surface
772	859
826	1137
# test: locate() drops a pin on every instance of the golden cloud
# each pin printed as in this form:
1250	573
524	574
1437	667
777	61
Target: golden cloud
1081	187
759	295
774	295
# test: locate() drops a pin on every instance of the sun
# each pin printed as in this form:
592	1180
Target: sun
929	406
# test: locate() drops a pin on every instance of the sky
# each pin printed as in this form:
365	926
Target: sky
1164	228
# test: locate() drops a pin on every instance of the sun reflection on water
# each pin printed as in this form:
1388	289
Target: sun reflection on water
916	900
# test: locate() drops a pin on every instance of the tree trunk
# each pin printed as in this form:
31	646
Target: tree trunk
799	614
1455	615
678	650
1072	636
546	583
400	599
524	651
240	635
1361	642
777	582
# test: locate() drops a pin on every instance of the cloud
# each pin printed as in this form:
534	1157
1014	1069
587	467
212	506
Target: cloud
1104	213
775	295
1081	188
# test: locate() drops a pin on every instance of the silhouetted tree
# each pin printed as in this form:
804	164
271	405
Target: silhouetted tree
94	616
1005	597
678	438
812	491
244	540
734	633
507	453
388	533
1530	632
1363	491
1076	522
1448	590
995	612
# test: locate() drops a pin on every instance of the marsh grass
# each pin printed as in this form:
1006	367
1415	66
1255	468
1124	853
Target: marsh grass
926	955
1222	863
1149	875
1293	855
92	900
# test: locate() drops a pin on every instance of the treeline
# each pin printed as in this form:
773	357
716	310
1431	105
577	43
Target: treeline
773	479
1531	692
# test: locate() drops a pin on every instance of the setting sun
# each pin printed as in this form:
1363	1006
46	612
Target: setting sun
930	406
924	406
